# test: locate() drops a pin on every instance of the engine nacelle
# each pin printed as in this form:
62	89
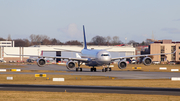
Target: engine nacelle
122	64
70	65
41	62
147	61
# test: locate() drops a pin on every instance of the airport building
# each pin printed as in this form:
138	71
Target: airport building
165	46
6	43
52	50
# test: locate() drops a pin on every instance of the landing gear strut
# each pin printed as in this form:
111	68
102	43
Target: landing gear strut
106	69
79	69
93	69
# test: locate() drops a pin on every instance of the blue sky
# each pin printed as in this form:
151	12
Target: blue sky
63	19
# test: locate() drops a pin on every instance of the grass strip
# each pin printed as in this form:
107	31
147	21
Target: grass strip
66	96
87	80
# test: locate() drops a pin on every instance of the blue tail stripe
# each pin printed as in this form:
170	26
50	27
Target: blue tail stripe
85	46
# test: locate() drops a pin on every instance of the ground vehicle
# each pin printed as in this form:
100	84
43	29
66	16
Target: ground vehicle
3	61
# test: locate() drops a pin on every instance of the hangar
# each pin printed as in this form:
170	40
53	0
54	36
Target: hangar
52	50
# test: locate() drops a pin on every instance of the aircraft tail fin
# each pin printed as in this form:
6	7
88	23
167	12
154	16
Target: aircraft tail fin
84	44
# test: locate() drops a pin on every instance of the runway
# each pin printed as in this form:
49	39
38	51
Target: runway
91	89
117	74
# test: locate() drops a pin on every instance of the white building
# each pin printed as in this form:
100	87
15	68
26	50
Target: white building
115	51
6	43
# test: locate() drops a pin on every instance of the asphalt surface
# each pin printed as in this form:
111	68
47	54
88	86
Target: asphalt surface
95	89
91	89
118	74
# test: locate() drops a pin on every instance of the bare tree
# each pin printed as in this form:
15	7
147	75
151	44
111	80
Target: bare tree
99	40
73	42
22	42
134	43
36	39
46	42
108	40
116	40
54	41
131	41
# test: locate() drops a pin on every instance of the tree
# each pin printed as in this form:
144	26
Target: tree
46	42
134	43
116	40
99	40
54	41
22	42
37	39
108	40
143	43
73	42
2	39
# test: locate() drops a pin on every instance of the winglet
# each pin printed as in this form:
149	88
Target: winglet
77	55
84	44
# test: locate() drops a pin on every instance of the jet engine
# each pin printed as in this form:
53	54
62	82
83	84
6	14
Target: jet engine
122	64
70	65
147	61
41	62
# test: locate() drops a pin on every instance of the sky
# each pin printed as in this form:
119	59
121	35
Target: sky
63	19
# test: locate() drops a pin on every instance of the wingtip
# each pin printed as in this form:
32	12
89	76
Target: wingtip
174	51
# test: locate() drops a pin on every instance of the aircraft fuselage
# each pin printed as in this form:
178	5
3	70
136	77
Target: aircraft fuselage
96	57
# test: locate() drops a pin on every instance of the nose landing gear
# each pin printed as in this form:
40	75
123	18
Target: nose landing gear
106	69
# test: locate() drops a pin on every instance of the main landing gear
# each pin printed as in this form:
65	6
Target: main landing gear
106	69
79	69
93	69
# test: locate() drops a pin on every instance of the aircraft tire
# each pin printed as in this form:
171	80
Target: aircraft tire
91	69
80	69
94	69
106	69
76	69
109	69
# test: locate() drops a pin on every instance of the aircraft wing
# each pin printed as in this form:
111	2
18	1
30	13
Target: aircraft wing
130	56
69	58
23	55
68	50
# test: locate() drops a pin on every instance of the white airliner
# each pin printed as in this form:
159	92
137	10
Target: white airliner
94	57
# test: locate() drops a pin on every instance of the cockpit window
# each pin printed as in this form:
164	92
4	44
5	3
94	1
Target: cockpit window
104	54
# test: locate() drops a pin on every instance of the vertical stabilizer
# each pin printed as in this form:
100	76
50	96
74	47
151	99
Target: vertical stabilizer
84	44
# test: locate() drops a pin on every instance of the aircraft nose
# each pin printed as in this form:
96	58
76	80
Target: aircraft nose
105	60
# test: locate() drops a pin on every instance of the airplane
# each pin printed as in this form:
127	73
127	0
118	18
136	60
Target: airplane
93	58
